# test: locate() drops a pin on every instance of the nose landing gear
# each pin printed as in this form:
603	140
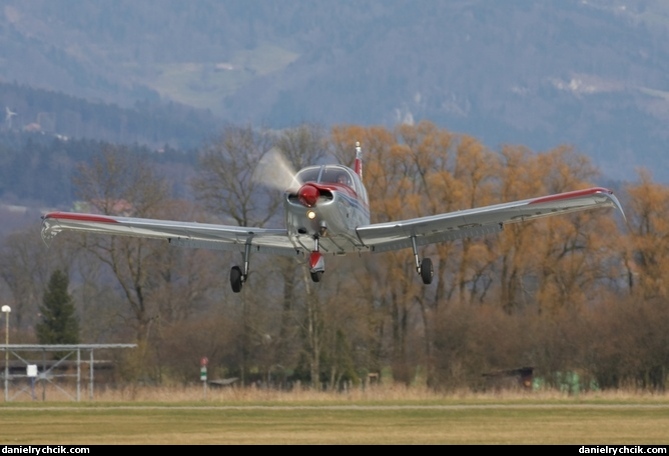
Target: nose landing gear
239	275
316	263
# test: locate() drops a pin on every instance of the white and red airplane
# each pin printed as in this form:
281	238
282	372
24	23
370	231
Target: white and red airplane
327	213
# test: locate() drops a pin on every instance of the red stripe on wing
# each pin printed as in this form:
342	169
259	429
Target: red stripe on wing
570	195
80	217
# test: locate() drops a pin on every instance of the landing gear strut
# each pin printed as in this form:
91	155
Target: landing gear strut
423	267
239	276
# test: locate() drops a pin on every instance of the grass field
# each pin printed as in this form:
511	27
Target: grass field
389	417
204	85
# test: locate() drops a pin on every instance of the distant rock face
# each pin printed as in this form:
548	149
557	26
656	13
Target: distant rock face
591	74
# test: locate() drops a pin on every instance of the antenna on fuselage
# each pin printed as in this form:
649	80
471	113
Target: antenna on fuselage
358	160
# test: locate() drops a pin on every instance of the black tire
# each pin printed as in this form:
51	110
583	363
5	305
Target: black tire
236	279
316	276
426	271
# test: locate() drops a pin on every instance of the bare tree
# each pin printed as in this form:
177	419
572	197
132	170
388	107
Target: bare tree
225	183
302	146
227	187
25	266
120	183
647	258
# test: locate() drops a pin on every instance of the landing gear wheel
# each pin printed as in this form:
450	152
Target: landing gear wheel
316	276
236	279
426	271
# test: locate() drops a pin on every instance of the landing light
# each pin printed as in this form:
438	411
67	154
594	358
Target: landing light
311	215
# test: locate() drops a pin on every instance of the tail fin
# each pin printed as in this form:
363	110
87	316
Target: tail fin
358	160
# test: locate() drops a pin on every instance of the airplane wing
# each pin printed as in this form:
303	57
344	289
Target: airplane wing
186	234
381	237
376	237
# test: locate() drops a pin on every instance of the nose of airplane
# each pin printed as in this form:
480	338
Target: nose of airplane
308	195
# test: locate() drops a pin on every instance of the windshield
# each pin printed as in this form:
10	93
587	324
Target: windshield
309	174
336	176
333	174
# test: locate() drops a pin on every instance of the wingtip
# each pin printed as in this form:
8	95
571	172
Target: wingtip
617	205
49	230
46	234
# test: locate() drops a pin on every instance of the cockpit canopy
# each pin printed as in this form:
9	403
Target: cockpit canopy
333	174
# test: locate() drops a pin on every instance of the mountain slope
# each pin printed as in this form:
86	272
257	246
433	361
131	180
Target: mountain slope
594	74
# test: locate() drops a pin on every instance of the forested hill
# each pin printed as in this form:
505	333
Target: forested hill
36	170
150	122
593	74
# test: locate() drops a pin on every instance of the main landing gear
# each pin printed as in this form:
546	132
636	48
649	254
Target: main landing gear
239	276
237	279
423	267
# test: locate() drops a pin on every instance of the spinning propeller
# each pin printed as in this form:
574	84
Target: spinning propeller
275	171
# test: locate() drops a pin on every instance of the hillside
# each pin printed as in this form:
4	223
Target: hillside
594	74
153	123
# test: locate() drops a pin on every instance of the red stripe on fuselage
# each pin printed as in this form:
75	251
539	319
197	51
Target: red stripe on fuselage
345	190
333	187
569	195
79	217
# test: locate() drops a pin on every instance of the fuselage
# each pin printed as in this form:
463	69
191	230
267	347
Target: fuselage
330	205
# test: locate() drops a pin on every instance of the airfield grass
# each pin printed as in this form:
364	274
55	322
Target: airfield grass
383	415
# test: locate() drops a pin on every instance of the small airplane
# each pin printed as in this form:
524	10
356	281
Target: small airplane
327	213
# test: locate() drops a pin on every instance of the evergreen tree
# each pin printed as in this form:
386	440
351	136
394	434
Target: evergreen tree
59	323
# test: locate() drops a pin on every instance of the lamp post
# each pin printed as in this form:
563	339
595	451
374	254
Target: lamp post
6	309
